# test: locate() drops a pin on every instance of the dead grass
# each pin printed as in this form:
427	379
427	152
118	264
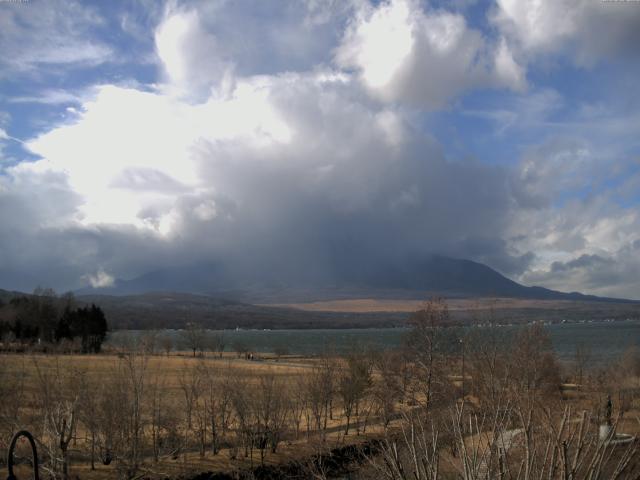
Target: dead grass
171	369
373	305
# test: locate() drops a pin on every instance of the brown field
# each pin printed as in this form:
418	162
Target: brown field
172	370
371	305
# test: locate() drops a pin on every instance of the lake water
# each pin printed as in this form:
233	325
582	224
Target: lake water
605	340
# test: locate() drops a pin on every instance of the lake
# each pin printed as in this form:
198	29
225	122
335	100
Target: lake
605	340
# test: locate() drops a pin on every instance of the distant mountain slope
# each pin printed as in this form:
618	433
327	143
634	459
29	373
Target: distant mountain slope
434	275
204	279
175	310
466	278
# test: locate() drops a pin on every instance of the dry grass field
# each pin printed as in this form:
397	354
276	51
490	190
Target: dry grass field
371	305
174	374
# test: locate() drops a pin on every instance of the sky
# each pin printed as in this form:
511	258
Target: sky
306	137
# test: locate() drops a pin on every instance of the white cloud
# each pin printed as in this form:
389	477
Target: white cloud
507	69
4	138
380	45
403	53
5	118
572	216
528	111
100	279
613	273
37	34
50	97
586	30
190	55
538	24
553	169
128	149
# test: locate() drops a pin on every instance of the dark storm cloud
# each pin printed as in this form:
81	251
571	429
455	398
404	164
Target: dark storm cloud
354	189
343	196
582	262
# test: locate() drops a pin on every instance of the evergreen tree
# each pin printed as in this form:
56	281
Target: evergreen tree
46	318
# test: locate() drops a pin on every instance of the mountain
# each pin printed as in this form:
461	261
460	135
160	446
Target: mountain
453	277
217	297
432	275
203	278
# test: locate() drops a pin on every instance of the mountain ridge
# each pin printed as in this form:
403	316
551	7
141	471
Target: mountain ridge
436	275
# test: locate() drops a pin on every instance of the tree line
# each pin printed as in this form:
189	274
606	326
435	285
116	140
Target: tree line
46	319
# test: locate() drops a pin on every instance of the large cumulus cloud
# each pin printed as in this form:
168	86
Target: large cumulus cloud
297	174
315	161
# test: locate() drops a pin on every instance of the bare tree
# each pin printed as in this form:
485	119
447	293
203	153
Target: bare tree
298	404
87	413
166	342
191	388
425	345
127	396
387	390
149	341
538	369
240	347
354	384
107	414
193	337
201	409
319	388
582	360
244	407
329	368
489	365
218	405
162	419
567	446
260	413
272	412
59	394
215	343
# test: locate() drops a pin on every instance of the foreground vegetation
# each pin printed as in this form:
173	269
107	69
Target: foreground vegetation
443	406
